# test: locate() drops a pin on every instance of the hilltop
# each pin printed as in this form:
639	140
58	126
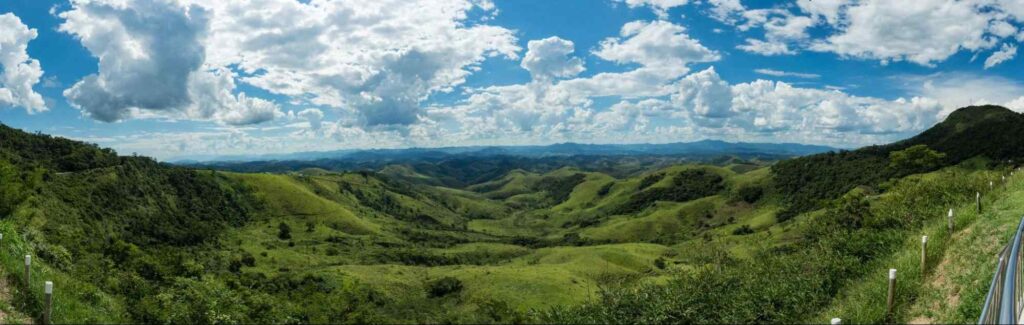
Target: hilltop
469	239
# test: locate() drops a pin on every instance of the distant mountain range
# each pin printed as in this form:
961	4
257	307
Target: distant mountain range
704	148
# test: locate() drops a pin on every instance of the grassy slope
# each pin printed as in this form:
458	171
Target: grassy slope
935	297
955	291
529	278
524	278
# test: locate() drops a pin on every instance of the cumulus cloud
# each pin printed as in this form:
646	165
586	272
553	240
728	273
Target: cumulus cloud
314	116
924	35
151	64
657	44
551	58
18	72
929	31
1006	53
380	58
705	94
778	107
955	90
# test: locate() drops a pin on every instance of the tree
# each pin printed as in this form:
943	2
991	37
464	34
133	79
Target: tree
284	231
444	286
12	190
915	159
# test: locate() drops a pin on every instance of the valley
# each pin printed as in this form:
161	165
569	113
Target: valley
535	240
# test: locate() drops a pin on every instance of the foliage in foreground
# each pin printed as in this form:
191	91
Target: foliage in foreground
785	284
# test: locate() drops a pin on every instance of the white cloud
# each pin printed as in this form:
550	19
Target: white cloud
783	31
660	7
768	48
314	116
18	72
705	94
380	58
1016	104
551	58
725	10
955	90
657	44
151	64
1006	53
827	10
922	32
1001	28
778	73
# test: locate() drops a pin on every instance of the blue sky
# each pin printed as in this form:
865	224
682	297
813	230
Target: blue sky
184	78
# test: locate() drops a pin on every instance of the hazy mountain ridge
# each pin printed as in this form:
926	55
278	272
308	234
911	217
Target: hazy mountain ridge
701	148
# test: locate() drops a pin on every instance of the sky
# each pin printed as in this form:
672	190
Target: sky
176	79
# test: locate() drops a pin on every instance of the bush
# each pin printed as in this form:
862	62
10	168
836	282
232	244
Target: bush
444	286
605	189
649	180
284	231
915	159
743	230
660	263
750	194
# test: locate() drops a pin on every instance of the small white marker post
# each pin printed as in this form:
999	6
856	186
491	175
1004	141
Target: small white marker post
48	290
892	293
949	218
977	198
990	185
836	321
28	272
924	255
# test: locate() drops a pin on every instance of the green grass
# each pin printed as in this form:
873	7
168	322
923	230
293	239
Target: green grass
863	300
503	241
956	290
287	197
74	301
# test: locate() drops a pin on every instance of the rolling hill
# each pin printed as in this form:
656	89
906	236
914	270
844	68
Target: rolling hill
567	239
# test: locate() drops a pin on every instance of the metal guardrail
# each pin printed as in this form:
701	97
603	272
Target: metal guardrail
1005	299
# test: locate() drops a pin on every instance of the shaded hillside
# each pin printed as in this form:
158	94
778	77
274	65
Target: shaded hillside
993	132
53	153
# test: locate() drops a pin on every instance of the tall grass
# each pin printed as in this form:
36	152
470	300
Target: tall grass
74	301
838	269
864	299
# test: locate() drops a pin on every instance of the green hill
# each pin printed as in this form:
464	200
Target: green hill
993	132
128	239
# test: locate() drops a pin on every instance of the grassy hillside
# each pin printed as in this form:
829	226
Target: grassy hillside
128	239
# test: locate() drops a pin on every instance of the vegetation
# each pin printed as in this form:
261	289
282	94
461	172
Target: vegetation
128	239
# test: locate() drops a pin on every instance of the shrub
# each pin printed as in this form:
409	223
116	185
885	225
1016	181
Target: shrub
605	189
750	194
444	286
660	263
743	230
284	231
